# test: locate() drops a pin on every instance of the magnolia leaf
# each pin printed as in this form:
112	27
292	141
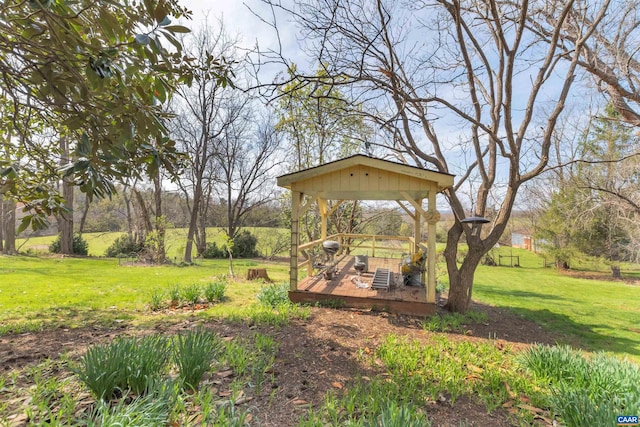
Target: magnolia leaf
24	224
177	29
143	39
160	13
84	146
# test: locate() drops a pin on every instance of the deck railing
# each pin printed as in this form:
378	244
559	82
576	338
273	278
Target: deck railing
350	242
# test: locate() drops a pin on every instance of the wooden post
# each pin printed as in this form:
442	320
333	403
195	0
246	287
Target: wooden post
322	206
417	228
432	219
296	198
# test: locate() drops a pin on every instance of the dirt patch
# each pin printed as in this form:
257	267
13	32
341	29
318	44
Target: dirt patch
600	275
315	356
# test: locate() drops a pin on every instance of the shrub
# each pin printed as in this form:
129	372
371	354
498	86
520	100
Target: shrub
274	295
79	245
212	251
244	245
193	353
126	244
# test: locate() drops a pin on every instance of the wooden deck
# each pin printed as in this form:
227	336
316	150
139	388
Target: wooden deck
399	299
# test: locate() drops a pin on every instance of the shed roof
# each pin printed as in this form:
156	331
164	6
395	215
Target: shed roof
361	177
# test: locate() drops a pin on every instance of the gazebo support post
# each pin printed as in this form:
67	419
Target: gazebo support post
322	206
433	216
417	229
296	198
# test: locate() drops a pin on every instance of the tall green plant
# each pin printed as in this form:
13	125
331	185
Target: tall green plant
193	354
126	364
585	392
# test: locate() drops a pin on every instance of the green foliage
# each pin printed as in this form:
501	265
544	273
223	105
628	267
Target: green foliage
191	293
213	251
126	364
116	63
175	293
152	409
79	245
585	392
274	294
454	322
126	244
416	373
194	351
251	357
243	245
157	300
215	290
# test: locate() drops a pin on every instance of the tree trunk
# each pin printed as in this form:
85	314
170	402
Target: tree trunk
146	217
258	273
9	227
160	223
127	204
615	272
85	212
461	278
193	221
2	220
65	220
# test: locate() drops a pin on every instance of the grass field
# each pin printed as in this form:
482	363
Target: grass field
36	292
62	292
591	314
176	238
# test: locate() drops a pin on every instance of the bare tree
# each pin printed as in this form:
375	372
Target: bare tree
463	87
202	114
610	55
245	163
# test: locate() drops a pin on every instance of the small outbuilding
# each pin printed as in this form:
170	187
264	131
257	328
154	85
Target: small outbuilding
382	285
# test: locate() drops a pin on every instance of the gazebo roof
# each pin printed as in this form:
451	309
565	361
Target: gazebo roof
360	177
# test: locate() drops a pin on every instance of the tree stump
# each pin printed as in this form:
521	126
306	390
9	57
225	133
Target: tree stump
258	273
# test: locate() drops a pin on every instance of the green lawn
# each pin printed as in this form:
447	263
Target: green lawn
176	238
36	292
591	314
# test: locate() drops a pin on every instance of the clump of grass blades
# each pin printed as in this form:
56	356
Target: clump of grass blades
124	364
174	295
274	295
193	354
157	300
585	392
191	294
373	403
453	322
273	316
152	410
215	291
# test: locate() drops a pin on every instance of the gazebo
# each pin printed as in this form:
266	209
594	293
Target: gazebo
361	177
